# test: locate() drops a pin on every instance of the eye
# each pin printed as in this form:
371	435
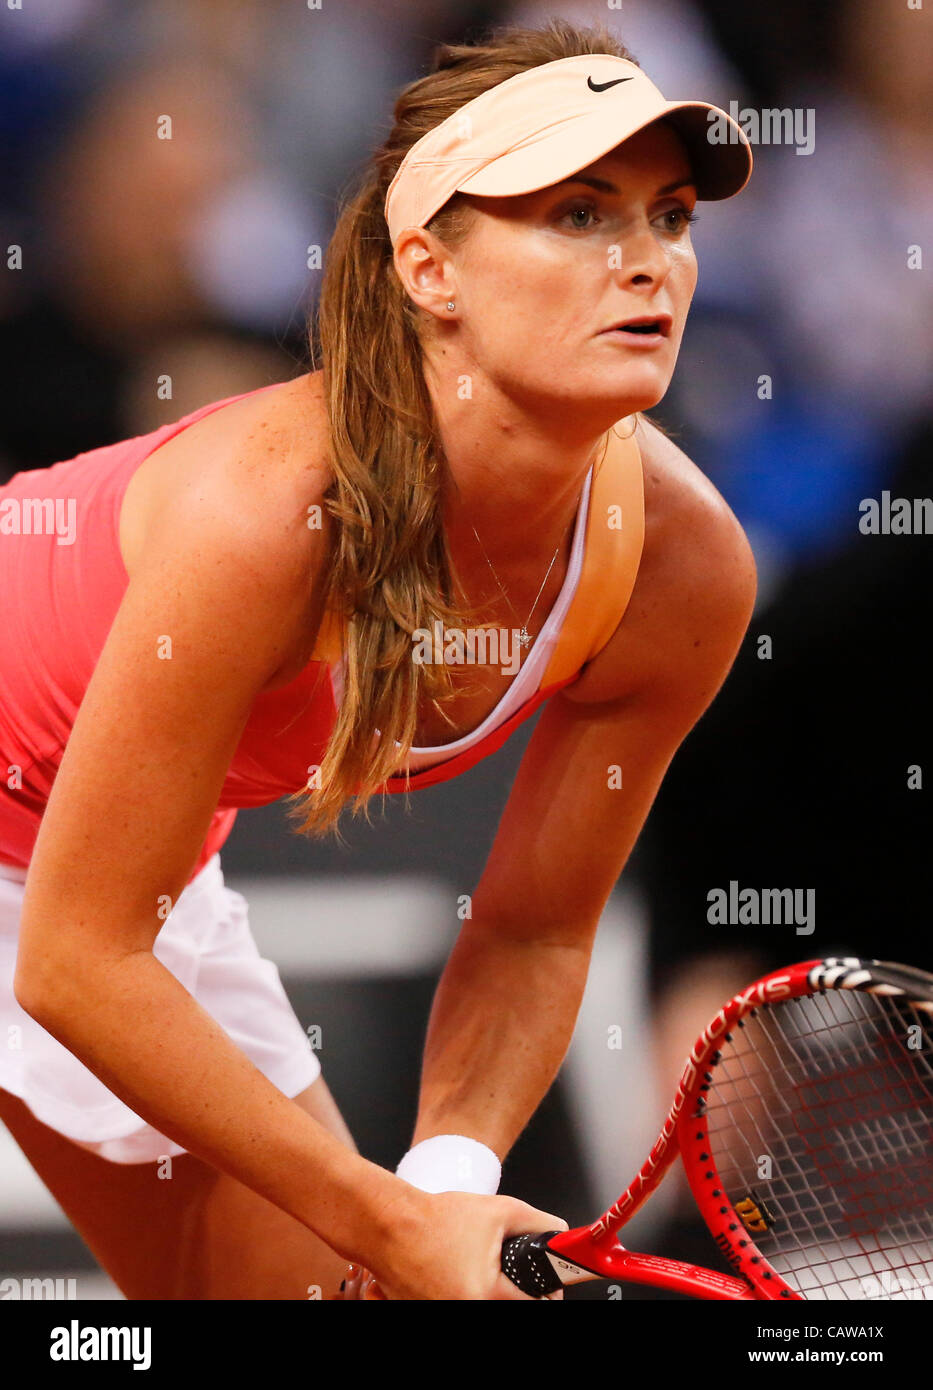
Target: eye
684	218
575	209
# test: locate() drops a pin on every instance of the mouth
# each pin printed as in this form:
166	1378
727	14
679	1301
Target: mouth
644	327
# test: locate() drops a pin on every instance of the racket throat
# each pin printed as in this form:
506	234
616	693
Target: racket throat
577	1258
583	1258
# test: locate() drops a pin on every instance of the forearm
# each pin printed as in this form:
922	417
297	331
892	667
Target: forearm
501	1023
136	1027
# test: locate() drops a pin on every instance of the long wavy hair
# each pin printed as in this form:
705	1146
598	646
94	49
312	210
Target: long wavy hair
391	571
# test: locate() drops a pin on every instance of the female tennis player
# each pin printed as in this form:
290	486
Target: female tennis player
234	608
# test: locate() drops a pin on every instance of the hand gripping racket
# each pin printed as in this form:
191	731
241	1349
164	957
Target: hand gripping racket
804	1120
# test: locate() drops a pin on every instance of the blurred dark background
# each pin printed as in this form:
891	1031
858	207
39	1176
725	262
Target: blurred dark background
186	258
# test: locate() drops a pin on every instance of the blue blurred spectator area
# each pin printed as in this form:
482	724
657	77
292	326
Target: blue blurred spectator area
143	255
804	385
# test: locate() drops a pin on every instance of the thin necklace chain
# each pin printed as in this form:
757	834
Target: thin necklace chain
524	635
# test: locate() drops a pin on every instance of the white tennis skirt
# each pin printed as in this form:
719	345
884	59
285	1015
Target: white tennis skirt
207	944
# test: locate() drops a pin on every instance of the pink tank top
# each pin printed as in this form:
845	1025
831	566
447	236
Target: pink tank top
62	579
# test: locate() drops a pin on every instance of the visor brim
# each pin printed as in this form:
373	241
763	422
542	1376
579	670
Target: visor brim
720	170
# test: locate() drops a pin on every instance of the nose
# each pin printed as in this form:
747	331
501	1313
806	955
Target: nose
641	260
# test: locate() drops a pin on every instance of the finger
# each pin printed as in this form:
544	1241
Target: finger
526	1219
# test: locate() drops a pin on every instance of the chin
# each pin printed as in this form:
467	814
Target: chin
649	386
637	397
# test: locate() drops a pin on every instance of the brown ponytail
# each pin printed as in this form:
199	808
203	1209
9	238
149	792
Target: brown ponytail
391	570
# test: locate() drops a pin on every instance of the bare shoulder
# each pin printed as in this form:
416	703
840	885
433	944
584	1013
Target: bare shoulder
251	477
265	456
694	594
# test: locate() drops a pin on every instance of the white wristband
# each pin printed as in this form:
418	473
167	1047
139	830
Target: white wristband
451	1163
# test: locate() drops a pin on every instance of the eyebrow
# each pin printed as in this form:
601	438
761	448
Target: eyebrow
604	186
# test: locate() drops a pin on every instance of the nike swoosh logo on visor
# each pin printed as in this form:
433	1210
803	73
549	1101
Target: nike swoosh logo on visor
603	86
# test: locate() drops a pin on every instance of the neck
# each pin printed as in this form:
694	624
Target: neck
512	474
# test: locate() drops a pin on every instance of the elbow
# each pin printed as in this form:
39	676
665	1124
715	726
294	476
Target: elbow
28	994
35	992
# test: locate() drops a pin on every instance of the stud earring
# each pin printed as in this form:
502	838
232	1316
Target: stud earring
451	306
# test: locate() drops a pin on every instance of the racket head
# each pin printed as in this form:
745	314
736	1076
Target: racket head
812	1068
808	1137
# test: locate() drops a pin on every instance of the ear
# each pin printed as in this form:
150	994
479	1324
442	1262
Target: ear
426	271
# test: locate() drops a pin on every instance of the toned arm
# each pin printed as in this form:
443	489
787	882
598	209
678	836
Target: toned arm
506	1006
214	606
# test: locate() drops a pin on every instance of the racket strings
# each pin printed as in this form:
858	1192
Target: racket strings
820	1114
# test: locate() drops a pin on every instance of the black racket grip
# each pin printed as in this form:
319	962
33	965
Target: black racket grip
525	1261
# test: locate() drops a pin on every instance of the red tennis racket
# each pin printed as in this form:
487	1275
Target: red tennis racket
804	1120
